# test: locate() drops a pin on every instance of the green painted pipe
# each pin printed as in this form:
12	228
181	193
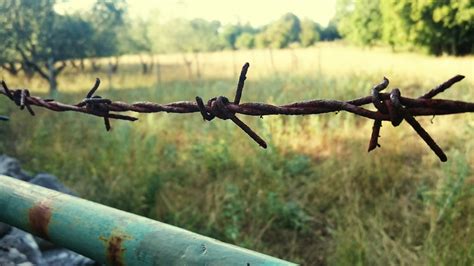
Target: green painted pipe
112	236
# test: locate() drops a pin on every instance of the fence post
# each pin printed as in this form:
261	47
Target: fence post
112	236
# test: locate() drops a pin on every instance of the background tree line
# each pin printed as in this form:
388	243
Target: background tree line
37	40
435	27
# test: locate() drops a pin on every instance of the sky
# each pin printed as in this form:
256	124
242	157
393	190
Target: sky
255	12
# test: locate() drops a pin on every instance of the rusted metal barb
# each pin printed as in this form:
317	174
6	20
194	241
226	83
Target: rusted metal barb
442	87
389	107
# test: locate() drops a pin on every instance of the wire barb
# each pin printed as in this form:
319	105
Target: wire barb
389	107
100	106
442	87
240	85
395	98
218	107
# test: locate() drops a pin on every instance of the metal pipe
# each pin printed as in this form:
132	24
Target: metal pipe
112	236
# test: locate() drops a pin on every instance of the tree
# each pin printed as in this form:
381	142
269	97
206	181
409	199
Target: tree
40	39
433	26
360	21
284	31
137	40
245	41
107	18
309	33
329	33
229	34
440	26
193	36
73	33
8	56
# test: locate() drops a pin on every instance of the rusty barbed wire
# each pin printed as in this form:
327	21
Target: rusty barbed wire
389	107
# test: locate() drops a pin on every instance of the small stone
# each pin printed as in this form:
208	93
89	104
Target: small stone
51	182
11	167
24	243
59	257
4	229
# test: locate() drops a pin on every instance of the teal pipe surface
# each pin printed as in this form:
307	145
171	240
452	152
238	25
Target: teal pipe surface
112	236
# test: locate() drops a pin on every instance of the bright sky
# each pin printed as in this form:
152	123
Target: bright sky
256	12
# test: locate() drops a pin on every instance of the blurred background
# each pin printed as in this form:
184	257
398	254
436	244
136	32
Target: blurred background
315	196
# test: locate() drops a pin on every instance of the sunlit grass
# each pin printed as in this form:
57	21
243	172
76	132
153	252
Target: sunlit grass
314	196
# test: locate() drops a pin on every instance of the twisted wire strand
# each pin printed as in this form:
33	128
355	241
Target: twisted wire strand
389	107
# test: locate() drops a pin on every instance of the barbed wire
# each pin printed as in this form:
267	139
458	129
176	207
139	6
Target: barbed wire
389	107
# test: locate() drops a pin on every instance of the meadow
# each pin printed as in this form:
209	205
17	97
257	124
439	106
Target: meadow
315	196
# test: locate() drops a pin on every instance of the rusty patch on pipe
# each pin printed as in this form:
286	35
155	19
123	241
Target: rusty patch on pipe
39	217
115	251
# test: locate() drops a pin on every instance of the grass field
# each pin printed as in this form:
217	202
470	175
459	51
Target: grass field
315	196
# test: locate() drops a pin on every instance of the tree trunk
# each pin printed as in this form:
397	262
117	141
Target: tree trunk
270	50
234	64
188	63
152	62
28	70
454	50
144	65
158	70
198	69
52	76
73	63
115	65
11	68
81	64
95	66
110	72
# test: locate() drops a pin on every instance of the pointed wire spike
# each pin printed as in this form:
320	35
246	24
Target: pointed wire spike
94	88
28	107
249	131
202	109
241	83
7	90
373	144
425	136
442	87
382	85
107	123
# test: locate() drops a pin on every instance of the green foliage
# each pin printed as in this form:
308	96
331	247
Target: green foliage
137	37
230	33
193	36
309	33
443	26
29	25
35	38
38	38
433	26
329	33
283	32
360	22
261	40
71	38
245	41
108	19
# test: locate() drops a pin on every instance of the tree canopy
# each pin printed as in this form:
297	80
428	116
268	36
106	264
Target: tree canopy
445	26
